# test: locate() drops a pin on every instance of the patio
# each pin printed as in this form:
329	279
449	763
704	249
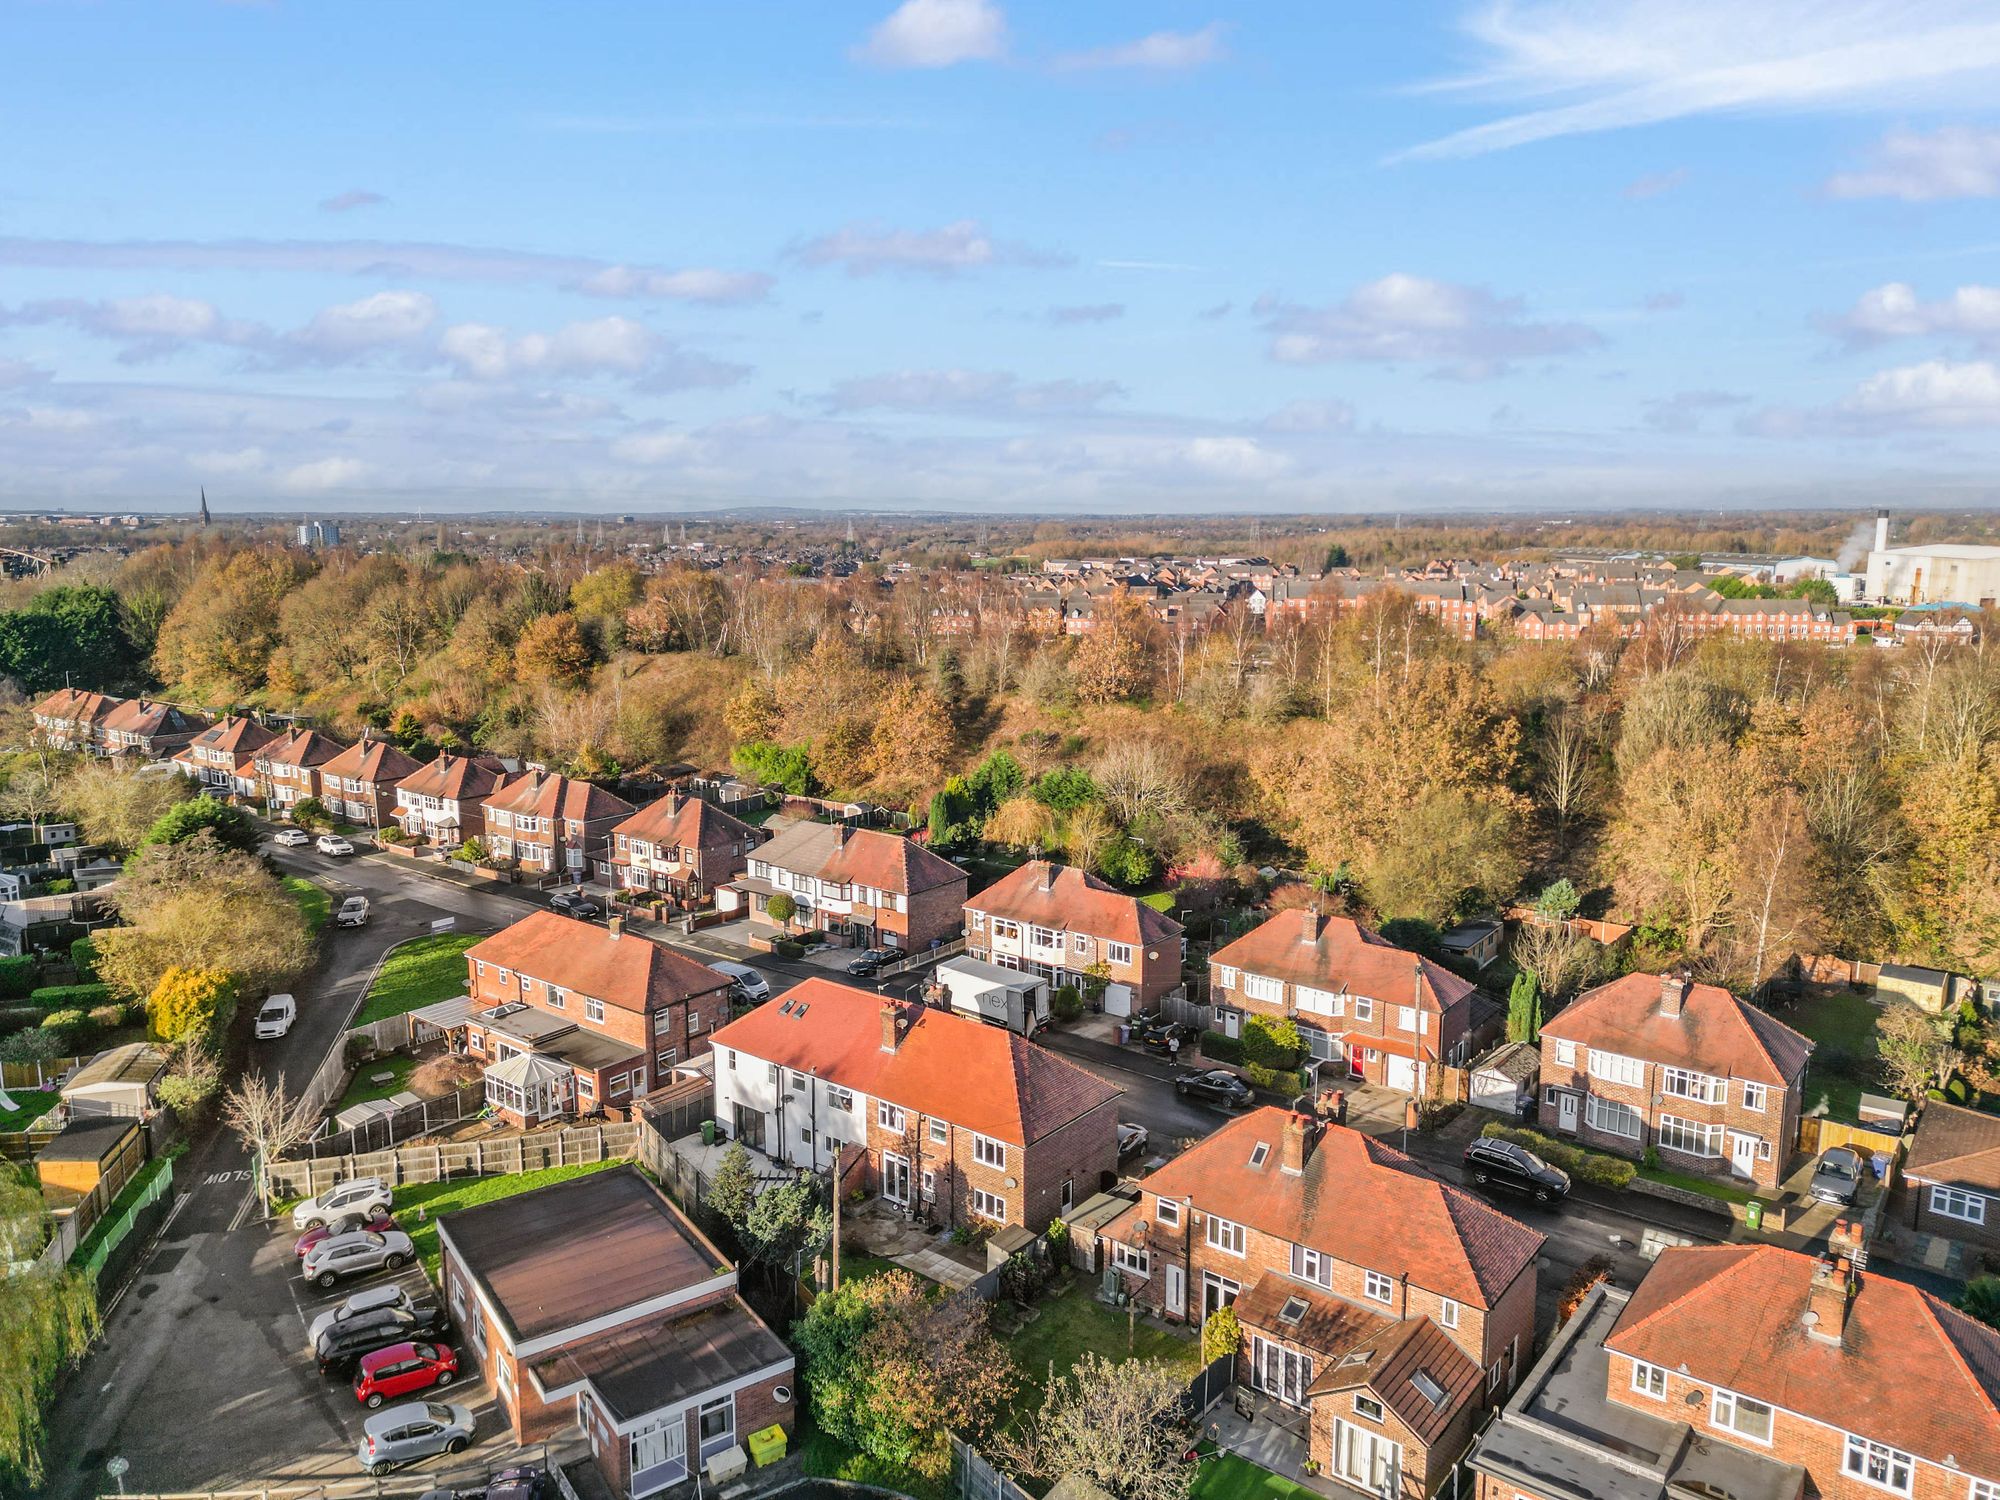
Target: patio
1273	1437
881	1229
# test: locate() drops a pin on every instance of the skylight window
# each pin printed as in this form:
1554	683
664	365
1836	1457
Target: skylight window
1428	1388
1294	1310
1260	1153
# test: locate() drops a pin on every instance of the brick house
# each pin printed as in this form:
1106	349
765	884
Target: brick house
866	887
359	784
962	1123
68	718
1390	1329
1064	923
288	767
1759	1373
1953	1175
572	1018
680	844
1657	1060
595	1304
223	757
444	802
552	823
146	728
1390	1015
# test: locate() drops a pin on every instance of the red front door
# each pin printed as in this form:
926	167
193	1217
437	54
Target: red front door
1355	1059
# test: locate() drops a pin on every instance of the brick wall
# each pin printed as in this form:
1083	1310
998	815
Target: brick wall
1080	1151
1423	1468
933	916
756	1408
1925	1219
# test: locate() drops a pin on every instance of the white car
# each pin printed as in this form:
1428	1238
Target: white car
353	912
291	838
361	1196
275	1018
1131	1139
746	981
333	843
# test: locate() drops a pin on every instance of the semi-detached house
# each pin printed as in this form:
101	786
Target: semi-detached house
444	802
288	767
1656	1060
1390	1015
963	1124
1381	1309
223	757
1070	927
552	823
856	884
686	846
359	784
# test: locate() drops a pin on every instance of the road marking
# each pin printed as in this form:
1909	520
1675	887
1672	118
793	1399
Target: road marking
241	1174
243	1209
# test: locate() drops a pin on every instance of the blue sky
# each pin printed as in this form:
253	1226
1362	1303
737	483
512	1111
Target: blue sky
990	254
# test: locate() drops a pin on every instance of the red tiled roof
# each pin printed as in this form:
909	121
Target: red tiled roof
686	823
628	971
235	733
1715	1033
144	716
1957	1146
76	705
1387	1363
1074	901
1909	1370
456	777
859	856
550	794
1343	956
301	747
947	1065
375	761
1358	1200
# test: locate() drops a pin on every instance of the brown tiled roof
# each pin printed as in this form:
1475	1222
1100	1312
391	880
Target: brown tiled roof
459	778
1074	901
1387	1364
686	823
301	747
550	794
1715	1032
235	733
859	856
946	1065
1909	1370
1331	1325
628	971
375	761
1957	1146
642	1368
1441	1237
144	716
1339	954
76	705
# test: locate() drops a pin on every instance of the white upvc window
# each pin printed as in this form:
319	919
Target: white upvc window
1378	1287
1127	1258
1689	1137
1118	953
976	920
1957	1203
1225	1234
1753	1097
1318	1002
940	1132
1043	937
1364	1008
889	1117
840	1099
1406	1017
1309	1265
989	1205
1879	1464
1225	977
989	1152
1649	1380
1566	1053
1702	1088
557	1001
1613	1118
1169	1213
1263	987
593	1009
1985	1489
1742	1416
1611	1067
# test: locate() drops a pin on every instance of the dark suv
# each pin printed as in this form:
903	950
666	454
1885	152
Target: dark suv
1502	1164
575	904
340	1348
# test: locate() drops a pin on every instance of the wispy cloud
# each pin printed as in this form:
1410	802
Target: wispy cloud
1096	312
1656	184
150	327
869	249
1684	410
1149	265
1466	331
1617	64
347	202
1957	161
597	346
1312	416
1160	52
1895	311
990	393
936	34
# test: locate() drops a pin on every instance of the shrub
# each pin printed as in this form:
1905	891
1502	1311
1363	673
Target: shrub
1066	1004
1217	1047
473	851
83	958
1581	1280
1272	1042
71	996
73	1026
390	835
1260	1076
1414	934
789	948
1057	1235
109	1017
310	812
1126	862
62	885
17	978
33	1045
1220	1335
14	1017
1585	1166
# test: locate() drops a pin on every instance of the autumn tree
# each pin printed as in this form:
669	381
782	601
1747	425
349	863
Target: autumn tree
912	741
1916	1050
1118	1426
682	609
1945	902
1675	848
1559	954
199	906
219	638
191	1005
1114	659
552	650
1021	823
1451	852
115	806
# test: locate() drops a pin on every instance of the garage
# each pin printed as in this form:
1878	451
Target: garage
1118	999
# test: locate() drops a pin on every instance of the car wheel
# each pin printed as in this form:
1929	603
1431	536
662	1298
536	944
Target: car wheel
315	1223
456	1445
376	1470
392	1262
374	1401
1480	1178
446	1377
1181	1089
1542	1195
327	1279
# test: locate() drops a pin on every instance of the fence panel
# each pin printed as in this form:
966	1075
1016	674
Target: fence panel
301	1177
974	1477
158	1188
1177	1007
36	1075
382	1132
1209	1386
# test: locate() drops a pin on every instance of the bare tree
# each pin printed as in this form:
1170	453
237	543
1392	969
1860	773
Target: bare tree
267	1123
1560	955
1115	1425
1140	776
1566	772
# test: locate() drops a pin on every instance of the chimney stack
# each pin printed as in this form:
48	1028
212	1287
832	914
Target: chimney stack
1881	531
890	1017
1300	1136
615	926
1673	990
1048	875
1829	1298
1310	924
839	835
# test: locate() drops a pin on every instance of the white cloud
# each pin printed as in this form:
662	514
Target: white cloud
1933	394
1238	459
992	393
964	245
1312	416
323	474
1614	64
696	285
1956	161
1096	312
1161	52
151	326
654	445
612	345
1684	410
347	202
379	320
1400	317
936	34
1895	311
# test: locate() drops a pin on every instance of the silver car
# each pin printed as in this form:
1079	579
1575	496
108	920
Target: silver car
361	1196
367	1300
418	1429
342	1255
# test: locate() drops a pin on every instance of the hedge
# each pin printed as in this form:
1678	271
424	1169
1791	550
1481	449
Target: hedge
1217	1047
17	978
14	1017
71	996
1585	1166
83	956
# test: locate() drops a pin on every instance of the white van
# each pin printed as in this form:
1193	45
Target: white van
275	1017
745	981
1012	998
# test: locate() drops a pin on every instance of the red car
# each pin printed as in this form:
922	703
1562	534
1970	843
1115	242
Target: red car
400	1369
345	1224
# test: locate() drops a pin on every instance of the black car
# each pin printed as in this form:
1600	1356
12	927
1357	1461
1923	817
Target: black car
521	1483
868	962
340	1348
1162	1039
1216	1086
575	904
1502	1164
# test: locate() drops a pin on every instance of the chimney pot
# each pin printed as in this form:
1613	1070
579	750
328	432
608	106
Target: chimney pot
1300	1137
1829	1298
889	1024
1673	991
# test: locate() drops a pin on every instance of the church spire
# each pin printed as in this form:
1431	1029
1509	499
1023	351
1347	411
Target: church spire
204	505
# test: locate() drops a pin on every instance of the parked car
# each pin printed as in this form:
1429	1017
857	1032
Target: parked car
420	1429
332	843
868	961
353	912
1163	1039
1215	1086
1148	1024
275	1017
1131	1139
291	838
360	1196
333	1260
1502	1164
522	1483
745	983
400	1369
377	1222
340	1350
1837	1178
367	1300
575	904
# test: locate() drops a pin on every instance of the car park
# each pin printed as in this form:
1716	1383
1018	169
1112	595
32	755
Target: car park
522	1483
868	962
340	1349
368	1300
275	1017
376	1223
291	838
400	1370
1131	1139
419	1429
334	1260
1215	1086
361	1195
745	983
333	843
353	912
1837	1178
1494	1163
575	904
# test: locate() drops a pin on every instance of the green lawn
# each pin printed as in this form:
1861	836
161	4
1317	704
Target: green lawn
29	1106
1227	1477
1843	1025
1160	901
315	905
436	1198
363	1087
127	1196
422	971
856	1266
1076	1323
1713	1187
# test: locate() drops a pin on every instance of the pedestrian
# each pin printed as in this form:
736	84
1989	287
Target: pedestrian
1174	1048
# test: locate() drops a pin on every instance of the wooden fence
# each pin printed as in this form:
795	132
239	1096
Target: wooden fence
412	1120
302	1178
37	1075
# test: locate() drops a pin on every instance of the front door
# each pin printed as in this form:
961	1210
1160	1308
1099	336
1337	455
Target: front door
1356	1056
1743	1154
896	1179
1176	1292
1566	1111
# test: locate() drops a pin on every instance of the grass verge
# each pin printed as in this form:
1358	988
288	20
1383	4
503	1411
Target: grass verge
422	971
436	1198
1227	1477
1692	1182
315	905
